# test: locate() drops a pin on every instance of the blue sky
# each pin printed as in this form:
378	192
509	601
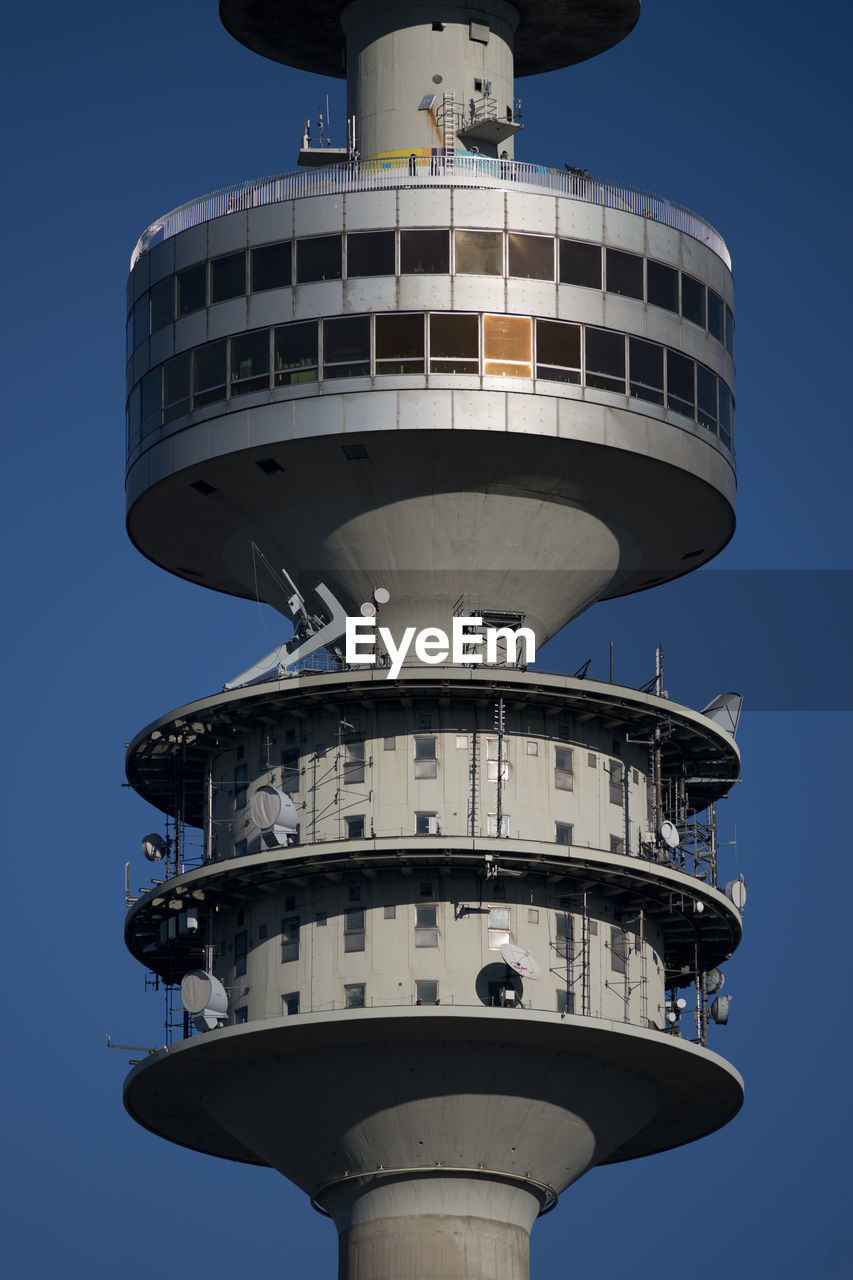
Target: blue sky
114	115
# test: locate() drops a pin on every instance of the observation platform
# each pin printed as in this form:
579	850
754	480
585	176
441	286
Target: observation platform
461	170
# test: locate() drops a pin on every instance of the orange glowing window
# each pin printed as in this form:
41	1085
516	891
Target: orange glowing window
507	346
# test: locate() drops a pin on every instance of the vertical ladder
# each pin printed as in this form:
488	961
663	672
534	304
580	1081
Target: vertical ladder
447	121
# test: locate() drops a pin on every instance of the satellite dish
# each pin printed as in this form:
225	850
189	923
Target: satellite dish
720	1009
736	892
368	609
713	981
154	847
204	998
521	961
272	809
668	833
381	595
724	710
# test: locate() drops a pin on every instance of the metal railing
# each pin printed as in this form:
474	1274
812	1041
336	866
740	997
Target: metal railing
430	171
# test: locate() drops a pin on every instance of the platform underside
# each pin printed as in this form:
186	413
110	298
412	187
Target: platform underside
551	33
326	1096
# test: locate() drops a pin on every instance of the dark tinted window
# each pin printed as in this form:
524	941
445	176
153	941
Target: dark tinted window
662	286
162	303
271	267
192	289
318	259
209	374
725	415
730	333
176	387
140	320
679	383
454	343
424	252
399	343
558	351
370	253
646	370
706	398
580	263
346	347
605	360
716	316
133	419
228	277
479	253
296	353
624	273
152	400
531	257
250	362
692	300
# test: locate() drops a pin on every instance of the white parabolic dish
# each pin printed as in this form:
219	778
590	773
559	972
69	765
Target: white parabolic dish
521	961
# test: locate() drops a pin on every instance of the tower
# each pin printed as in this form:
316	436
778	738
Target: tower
443	912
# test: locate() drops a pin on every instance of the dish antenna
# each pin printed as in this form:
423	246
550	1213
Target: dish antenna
713	981
668	833
720	1009
736	892
725	711
204	998
273	811
521	961
154	847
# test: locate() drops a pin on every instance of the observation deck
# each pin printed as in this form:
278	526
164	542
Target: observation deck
392	173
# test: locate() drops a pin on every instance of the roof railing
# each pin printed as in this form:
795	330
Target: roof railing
430	171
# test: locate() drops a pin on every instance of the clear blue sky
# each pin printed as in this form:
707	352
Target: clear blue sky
114	114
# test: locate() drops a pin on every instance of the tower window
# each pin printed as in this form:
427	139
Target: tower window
241	785
289	939
692	300
353	763
370	253
479	253
192	289
680	395
426	991
454	343
508	346
290	1003
662	286
706	398
558	351
241	951
625	273
605	359
426	925
492	760
565	935
346	347
618	950
295	353
355	827
426	824
290	770
399	343
565	1002
580	264
354	929
228	277
426	765
424	253
564	779
716	315
318	258
646	370
176	387
493	824
163	303
499	927
209	374
531	257
250	362
617	782
563	833
272	267
354	995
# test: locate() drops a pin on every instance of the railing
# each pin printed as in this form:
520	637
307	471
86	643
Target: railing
432	171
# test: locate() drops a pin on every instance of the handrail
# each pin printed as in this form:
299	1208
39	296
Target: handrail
429	171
